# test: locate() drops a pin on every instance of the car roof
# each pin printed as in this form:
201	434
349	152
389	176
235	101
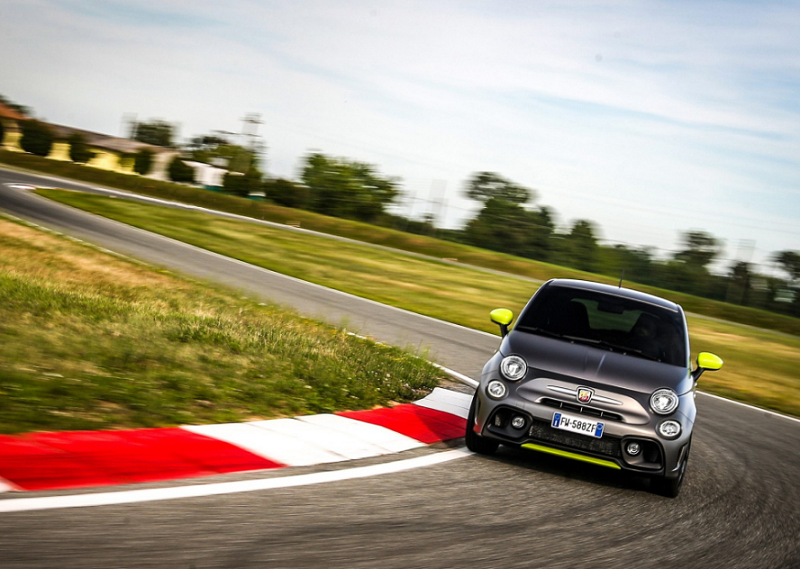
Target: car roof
616	291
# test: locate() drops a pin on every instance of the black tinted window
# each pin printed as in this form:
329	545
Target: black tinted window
608	321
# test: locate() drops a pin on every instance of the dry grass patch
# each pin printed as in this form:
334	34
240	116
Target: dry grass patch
89	340
458	294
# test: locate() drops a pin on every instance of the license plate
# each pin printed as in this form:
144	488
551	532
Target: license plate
577	425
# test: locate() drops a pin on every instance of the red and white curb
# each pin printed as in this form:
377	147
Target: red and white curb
52	461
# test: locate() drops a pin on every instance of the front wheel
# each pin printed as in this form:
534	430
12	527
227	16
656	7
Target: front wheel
475	442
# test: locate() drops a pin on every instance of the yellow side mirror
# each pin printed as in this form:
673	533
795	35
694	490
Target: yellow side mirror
706	361
502	317
709	361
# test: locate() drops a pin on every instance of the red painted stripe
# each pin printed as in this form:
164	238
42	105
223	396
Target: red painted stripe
96	458
51	461
420	423
31	466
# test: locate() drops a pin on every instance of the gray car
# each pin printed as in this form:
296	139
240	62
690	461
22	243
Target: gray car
595	373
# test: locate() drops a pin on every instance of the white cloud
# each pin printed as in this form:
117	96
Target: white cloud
648	117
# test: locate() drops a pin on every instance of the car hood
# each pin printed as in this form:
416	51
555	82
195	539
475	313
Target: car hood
554	358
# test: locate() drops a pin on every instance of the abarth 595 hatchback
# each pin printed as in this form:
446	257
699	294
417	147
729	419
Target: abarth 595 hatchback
594	373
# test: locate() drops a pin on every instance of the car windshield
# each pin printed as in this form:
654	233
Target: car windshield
608	322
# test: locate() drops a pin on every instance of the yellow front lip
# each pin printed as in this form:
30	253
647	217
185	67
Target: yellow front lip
572	455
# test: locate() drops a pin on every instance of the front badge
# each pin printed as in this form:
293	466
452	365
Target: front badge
585	394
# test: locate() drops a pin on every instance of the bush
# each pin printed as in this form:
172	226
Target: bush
179	172
242	184
287	193
37	138
78	151
127	160
143	161
2	132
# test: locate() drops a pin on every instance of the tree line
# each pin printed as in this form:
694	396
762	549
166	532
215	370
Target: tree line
508	220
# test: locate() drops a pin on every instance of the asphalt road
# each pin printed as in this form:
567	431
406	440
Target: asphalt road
739	507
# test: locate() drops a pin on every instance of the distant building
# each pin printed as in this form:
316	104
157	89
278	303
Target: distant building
111	152
210	177
10	119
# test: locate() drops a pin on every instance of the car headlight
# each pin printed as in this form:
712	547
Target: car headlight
669	429
664	401
513	368
496	389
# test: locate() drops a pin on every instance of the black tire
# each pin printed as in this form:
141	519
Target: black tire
475	442
671	487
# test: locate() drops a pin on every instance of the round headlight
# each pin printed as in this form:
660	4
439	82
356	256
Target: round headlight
669	429
664	401
496	389
513	368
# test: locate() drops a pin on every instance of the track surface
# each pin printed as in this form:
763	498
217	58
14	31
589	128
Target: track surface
740	505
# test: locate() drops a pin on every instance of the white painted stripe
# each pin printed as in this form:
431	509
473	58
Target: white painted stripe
458	376
447	401
200	490
267	444
382	437
753	407
6	486
336	442
455	397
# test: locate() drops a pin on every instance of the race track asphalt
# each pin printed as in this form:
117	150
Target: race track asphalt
740	505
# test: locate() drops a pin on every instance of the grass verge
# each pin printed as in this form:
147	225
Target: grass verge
760	367
91	341
386	237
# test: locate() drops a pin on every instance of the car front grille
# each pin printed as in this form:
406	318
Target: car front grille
607	415
607	445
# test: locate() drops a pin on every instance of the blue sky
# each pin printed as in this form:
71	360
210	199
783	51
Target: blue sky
649	118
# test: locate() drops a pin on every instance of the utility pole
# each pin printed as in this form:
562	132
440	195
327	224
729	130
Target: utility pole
250	124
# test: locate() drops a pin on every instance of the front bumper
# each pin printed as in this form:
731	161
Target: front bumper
658	456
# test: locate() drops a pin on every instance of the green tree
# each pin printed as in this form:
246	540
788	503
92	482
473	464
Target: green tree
37	138
143	161
287	194
504	223
739	283
581	246
219	151
699	249
789	262
180	172
344	188
484	186
636	262
79	152
21	109
688	271
155	132
510	228
242	184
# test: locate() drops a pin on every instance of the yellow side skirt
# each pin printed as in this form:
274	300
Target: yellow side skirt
572	455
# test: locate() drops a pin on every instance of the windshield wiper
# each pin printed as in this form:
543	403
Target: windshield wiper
541	331
611	346
591	341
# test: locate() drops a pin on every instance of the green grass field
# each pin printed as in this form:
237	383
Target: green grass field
89	341
760	366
